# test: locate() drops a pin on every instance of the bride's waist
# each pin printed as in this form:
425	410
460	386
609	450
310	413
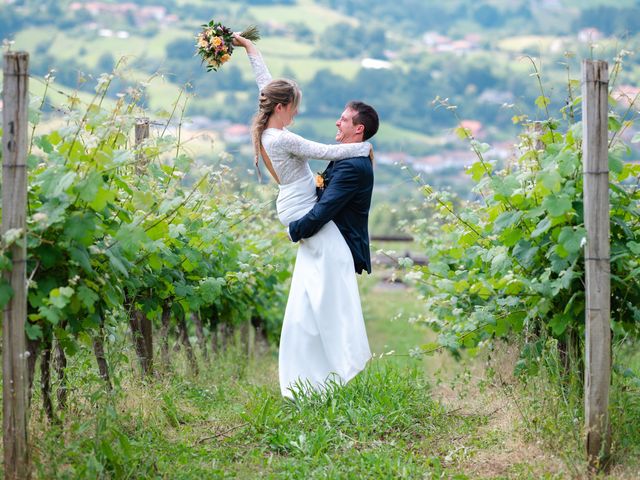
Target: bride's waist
293	204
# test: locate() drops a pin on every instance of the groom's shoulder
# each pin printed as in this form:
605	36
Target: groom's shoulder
359	167
355	162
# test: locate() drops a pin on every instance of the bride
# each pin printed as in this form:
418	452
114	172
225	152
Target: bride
323	334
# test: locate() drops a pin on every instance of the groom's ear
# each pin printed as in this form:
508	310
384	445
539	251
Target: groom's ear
360	129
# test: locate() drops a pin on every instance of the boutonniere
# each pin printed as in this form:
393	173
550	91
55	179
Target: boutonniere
321	180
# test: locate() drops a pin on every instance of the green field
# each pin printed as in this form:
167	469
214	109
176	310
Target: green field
314	16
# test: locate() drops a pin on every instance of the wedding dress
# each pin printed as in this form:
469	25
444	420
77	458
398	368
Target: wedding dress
323	333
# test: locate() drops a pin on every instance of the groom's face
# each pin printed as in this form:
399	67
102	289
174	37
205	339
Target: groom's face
347	131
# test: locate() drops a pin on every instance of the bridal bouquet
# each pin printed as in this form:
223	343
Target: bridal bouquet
215	43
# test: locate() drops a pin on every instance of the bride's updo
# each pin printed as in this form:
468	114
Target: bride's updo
282	91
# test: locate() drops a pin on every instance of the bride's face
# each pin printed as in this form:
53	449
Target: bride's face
288	113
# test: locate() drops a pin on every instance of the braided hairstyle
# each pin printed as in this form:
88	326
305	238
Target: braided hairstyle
282	91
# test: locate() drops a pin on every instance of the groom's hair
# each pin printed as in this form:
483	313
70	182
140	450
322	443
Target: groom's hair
366	116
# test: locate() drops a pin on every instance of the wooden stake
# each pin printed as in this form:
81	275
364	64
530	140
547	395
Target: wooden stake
595	84
142	133
14	212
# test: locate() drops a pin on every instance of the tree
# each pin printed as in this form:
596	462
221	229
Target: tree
106	63
180	48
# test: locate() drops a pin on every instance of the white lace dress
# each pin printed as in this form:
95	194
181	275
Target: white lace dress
323	334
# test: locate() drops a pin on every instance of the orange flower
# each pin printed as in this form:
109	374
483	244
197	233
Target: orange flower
216	41
225	58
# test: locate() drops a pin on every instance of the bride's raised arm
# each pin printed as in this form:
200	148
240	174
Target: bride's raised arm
260	70
303	148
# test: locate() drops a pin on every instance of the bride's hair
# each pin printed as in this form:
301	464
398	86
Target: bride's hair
282	91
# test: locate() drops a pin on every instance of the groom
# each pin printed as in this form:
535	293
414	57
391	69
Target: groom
348	184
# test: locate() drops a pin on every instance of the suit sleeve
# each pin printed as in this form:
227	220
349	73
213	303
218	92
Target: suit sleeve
344	184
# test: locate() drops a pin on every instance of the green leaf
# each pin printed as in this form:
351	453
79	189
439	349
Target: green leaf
102	197
480	147
117	264
505	186
571	239
51	314
210	289
43	143
500	260
54	137
542	227
510	236
80	255
88	297
55	183
516	320
557	205
80	227
551	180
568	162
502	327
613	124
507	219
88	188
155	262
477	170
33	331
616	165
559	323
525	252
59	297
429	348
634	247
131	238
542	102
6	293
462	133
183	163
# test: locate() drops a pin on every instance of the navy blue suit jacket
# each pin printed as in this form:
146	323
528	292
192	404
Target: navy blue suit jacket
346	200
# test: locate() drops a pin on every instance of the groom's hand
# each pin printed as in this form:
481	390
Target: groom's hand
289	236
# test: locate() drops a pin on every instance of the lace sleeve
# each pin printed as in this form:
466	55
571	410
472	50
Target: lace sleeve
303	148
260	70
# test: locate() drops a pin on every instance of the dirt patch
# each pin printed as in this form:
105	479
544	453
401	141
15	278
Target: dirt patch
498	447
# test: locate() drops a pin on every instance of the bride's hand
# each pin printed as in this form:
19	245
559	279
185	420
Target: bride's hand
371	156
239	41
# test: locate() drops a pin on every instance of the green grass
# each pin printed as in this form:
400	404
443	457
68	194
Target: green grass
314	16
68	45
230	421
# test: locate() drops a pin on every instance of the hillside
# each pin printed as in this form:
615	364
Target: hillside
478	55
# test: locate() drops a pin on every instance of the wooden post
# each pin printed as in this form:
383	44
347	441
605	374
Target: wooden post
14	211
595	84
142	133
